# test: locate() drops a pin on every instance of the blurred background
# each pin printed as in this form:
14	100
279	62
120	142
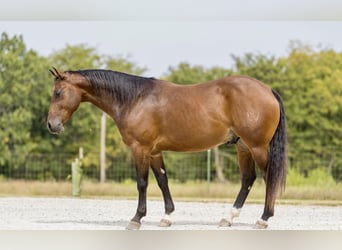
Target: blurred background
301	60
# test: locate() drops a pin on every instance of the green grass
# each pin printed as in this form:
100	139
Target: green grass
191	191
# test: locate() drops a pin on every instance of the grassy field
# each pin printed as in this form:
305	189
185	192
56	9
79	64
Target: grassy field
191	191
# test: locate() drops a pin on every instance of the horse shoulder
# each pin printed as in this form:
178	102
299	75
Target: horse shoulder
141	124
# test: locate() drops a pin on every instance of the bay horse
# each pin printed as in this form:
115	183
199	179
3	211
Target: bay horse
154	116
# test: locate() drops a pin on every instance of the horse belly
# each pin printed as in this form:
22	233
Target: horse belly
195	139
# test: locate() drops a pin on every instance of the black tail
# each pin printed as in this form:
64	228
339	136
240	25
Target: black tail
277	156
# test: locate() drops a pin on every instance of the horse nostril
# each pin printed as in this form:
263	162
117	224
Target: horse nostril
49	126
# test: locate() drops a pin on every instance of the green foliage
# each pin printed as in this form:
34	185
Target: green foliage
184	73
186	166
316	177
22	96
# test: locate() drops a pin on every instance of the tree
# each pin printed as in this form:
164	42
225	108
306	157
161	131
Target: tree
22	82
184	73
313	90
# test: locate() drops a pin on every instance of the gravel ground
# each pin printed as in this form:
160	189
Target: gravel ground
93	214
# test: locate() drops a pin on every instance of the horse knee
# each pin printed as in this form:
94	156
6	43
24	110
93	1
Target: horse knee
142	185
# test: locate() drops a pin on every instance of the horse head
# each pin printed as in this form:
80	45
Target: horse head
65	100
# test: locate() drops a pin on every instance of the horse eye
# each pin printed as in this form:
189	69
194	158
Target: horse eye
57	93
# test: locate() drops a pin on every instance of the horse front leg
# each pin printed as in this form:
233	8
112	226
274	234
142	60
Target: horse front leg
142	163
159	171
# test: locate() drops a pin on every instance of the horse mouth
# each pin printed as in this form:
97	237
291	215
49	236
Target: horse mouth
56	132
55	128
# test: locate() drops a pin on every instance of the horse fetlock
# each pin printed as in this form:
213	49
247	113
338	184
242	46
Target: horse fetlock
169	208
141	212
235	212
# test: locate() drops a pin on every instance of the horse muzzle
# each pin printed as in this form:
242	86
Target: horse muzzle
55	126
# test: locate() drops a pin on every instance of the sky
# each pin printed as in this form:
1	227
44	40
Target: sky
158	36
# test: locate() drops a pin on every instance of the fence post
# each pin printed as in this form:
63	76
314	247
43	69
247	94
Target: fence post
103	149
76	174
208	165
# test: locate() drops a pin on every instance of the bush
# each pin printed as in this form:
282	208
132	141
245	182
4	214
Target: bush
316	177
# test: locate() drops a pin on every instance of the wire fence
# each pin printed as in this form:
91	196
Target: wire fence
180	166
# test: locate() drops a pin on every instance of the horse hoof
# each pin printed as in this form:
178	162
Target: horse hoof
133	225
261	224
165	223
225	223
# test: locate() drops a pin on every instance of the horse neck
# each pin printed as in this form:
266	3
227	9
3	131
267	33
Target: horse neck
115	92
100	100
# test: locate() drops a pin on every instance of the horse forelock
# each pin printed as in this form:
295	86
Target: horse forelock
124	88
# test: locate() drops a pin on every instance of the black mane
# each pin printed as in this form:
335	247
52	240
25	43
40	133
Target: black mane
123	88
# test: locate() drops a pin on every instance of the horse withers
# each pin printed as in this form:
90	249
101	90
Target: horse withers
154	116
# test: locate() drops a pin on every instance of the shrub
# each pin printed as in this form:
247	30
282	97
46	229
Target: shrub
316	177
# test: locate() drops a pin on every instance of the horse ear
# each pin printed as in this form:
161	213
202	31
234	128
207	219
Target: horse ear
53	73
58	75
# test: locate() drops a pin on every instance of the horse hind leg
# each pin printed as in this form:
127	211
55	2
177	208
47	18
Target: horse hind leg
248	176
261	157
158	167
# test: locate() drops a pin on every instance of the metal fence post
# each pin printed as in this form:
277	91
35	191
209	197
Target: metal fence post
208	165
